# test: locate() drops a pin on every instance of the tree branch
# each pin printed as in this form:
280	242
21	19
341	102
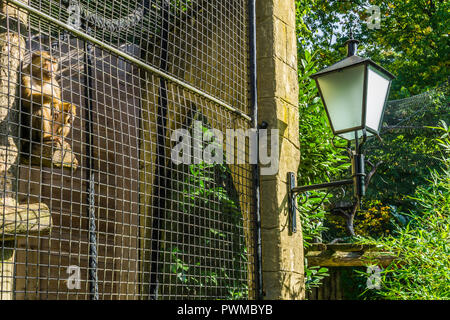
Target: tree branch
351	217
372	172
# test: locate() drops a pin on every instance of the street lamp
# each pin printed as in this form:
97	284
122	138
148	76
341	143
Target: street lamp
354	92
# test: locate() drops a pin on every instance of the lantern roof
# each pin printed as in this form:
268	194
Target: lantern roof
350	62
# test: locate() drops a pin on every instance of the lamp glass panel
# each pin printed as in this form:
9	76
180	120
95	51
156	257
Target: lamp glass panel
377	89
343	94
351	135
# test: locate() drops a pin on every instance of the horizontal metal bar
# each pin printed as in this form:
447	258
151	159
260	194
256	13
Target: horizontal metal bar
322	186
126	56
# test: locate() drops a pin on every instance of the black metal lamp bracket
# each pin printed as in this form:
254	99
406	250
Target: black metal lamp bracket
357	180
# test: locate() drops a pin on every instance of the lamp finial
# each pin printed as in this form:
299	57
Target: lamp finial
352	46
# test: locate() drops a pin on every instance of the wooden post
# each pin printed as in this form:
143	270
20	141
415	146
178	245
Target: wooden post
347	255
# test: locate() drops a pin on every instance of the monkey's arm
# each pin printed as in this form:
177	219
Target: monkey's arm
64	116
67	117
37	94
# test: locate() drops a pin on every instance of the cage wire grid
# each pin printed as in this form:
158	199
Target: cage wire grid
134	224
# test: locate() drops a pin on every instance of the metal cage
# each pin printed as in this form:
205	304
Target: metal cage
96	208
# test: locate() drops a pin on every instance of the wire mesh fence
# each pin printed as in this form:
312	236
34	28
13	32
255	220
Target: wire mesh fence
92	205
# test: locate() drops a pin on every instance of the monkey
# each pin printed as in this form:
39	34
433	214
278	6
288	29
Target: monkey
39	92
45	117
39	84
54	151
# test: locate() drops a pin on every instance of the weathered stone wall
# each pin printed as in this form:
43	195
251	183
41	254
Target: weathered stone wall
278	106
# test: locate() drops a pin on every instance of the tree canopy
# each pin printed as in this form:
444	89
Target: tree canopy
412	41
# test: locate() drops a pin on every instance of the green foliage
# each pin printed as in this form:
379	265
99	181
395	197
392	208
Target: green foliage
412	41
182	5
319	160
407	154
422	270
314	276
417	30
413	44
375	219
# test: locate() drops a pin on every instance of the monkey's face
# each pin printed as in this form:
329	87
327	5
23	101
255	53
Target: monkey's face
43	62
51	66
70	111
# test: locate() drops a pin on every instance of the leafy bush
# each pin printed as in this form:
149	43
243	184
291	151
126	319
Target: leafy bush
375	221
422	270
320	161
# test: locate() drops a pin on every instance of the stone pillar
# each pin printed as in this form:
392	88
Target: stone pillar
282	251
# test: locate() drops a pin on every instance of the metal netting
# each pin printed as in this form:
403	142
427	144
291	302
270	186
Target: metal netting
93	207
412	119
417	112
